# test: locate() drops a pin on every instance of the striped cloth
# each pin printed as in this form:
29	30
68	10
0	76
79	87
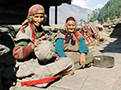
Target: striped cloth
32	70
22	52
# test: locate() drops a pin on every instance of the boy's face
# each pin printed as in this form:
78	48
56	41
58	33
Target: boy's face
37	19
71	26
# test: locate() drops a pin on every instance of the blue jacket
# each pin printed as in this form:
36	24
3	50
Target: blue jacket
60	50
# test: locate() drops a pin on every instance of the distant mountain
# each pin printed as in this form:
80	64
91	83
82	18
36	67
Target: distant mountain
66	10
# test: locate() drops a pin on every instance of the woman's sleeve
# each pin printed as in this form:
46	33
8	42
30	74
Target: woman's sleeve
59	50
83	47
22	52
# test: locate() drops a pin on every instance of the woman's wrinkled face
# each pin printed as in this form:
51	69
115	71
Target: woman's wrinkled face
71	26
37	19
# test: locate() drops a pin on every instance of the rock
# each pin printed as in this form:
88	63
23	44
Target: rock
103	61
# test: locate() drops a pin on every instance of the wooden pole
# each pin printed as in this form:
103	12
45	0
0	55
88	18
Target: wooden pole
56	14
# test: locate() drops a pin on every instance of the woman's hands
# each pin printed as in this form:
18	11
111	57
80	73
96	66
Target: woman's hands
82	59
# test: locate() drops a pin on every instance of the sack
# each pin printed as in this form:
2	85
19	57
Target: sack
44	51
103	61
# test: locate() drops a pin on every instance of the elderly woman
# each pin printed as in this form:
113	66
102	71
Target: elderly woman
32	48
69	43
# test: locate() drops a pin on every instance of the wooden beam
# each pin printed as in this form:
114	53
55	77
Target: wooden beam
56	12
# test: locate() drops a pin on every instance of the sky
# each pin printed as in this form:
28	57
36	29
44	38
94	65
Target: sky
90	4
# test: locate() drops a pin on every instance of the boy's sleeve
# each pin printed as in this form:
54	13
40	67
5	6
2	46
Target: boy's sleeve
59	50
83	47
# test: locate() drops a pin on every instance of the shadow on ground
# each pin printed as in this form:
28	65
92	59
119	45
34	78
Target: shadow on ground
114	47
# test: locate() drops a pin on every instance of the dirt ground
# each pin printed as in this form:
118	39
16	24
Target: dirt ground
92	78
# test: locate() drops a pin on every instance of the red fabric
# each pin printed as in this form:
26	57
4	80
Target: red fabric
32	33
76	34
16	52
27	50
22	52
45	36
55	55
40	81
70	19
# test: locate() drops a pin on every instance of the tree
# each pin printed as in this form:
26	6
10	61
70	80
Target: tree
82	21
94	15
110	10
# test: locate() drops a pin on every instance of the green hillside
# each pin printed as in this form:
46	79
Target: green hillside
110	10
